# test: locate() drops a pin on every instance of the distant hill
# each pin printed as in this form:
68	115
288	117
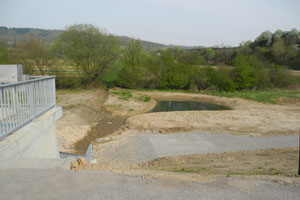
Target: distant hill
12	35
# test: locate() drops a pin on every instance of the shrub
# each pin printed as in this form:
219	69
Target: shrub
67	82
225	82
281	77
247	72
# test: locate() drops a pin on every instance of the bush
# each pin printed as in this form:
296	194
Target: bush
248	72
281	77
225	82
177	77
110	75
128	79
67	82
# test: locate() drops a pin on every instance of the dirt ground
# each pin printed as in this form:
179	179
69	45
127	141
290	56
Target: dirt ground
91	114
267	162
83	120
127	107
246	117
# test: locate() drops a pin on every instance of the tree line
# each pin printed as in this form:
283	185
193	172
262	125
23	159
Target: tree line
88	55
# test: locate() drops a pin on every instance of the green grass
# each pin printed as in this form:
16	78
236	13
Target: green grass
181	170
143	97
259	167
199	170
228	174
125	95
186	170
264	96
275	171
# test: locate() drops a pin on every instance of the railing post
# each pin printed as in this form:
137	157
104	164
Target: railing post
3	125
32	99
54	91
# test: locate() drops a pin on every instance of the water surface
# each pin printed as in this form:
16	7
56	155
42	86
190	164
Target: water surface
173	105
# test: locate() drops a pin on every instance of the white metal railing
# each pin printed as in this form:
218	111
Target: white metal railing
24	101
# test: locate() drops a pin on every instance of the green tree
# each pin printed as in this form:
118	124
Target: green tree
281	77
38	54
278	34
247	71
4	53
178	76
264	40
225	81
133	60
291	37
279	50
209	55
90	50
191	57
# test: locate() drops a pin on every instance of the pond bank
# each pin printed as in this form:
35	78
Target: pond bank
246	117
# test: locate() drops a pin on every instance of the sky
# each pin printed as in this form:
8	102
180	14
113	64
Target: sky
180	22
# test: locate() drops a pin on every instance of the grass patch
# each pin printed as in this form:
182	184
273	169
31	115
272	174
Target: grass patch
131	109
186	170
264	96
199	170
259	167
275	171
125	95
181	170
143	97
228	174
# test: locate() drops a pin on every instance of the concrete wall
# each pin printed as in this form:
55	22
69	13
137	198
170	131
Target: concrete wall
36	140
11	73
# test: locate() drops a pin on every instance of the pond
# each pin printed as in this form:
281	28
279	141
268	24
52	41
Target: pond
173	105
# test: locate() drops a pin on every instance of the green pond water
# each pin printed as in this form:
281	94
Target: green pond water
171	105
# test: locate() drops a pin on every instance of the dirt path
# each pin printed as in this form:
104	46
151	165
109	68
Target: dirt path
107	125
84	119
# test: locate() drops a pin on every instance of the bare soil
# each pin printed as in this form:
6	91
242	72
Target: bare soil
246	117
127	107
92	114
105	126
84	119
266	162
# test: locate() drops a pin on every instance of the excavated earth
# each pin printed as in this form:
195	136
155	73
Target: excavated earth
245	117
113	124
84	119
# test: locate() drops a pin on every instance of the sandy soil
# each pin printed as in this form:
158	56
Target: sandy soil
130	107
267	162
80	113
83	120
246	117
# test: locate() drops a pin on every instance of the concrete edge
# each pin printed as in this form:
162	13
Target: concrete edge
62	163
